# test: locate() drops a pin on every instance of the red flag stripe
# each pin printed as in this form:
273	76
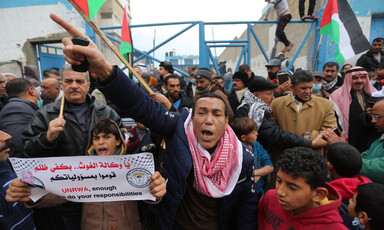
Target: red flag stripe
83	4
330	9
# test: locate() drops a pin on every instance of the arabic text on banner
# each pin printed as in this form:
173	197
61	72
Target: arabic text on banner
90	178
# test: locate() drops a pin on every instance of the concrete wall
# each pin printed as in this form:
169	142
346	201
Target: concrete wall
266	34
296	32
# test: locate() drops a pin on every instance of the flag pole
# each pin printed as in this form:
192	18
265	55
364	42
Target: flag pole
317	53
109	43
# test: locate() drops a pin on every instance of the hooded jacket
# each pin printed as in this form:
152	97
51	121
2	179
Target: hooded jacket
110	215
322	217
101	215
347	186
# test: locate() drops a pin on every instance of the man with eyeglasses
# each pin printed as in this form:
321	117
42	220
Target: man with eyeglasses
352	108
373	159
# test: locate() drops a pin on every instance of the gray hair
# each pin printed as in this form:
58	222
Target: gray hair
69	67
302	76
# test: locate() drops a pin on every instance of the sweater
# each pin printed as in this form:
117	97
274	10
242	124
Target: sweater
322	217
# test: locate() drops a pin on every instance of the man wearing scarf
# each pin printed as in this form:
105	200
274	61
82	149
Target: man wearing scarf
352	109
331	80
209	171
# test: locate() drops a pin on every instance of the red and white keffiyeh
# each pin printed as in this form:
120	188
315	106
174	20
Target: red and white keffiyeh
216	175
342	99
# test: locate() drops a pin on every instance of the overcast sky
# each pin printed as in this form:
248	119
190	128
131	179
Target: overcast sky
155	11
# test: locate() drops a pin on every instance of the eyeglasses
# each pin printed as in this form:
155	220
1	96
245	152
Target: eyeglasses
377	116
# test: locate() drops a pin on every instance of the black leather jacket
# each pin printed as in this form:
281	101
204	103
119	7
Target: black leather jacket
71	141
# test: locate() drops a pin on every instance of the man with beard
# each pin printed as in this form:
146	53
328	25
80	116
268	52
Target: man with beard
352	109
332	81
273	68
177	98
373	159
13	215
51	87
204	84
373	57
165	69
240	86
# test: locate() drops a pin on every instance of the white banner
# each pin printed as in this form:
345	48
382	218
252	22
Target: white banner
89	178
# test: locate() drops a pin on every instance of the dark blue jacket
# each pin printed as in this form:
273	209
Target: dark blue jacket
237	210
14	118
13	215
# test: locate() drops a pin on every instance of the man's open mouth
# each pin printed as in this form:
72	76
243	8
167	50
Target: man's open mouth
207	133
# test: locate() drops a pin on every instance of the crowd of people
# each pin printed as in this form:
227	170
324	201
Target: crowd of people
294	150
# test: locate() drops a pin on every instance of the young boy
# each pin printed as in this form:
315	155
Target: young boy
302	199
344	163
366	207
245	129
373	78
105	139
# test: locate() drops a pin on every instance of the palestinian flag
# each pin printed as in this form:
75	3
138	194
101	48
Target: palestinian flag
126	40
90	7
340	22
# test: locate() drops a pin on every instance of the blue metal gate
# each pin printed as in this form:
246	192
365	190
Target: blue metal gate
49	56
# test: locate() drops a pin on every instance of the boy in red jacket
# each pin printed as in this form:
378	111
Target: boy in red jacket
302	199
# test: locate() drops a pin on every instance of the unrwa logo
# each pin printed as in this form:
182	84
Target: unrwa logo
139	178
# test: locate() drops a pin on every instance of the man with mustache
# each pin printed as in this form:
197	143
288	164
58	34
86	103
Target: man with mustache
300	113
49	134
353	110
273	68
373	57
177	97
373	160
331	80
204	84
240	86
13	215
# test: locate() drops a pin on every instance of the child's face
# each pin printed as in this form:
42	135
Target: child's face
251	137
294	194
373	78
105	144
351	207
380	71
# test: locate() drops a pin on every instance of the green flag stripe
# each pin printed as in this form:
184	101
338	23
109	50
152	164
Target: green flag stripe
125	49
94	6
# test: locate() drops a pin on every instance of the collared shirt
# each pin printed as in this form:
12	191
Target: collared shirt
297	103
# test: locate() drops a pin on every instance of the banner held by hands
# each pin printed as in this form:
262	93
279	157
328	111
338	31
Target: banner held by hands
109	43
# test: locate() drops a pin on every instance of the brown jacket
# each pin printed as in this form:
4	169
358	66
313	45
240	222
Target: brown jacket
316	115
99	215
